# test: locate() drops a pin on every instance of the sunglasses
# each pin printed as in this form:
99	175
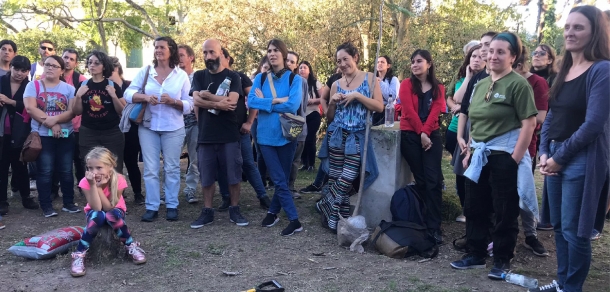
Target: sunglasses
539	53
47	48
489	91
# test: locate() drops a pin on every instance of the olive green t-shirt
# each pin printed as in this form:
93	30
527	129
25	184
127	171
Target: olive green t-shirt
511	101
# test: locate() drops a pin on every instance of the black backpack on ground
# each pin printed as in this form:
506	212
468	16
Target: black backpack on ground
407	234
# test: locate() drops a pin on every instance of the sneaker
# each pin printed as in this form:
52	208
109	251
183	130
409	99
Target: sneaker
295	194
293	226
236	217
190	198
469	261
544	227
303	168
310	189
32	185
270	220
78	264
29	203
171	214
138	199
206	217
310	169
595	235
532	243
136	253
226	203
265	202
460	218
150	216
49	212
71	209
2	226
500	267
552	287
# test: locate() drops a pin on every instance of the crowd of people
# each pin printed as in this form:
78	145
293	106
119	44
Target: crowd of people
507	110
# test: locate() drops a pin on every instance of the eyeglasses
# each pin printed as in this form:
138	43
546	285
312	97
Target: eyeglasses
538	53
95	64
489	91
47	48
51	66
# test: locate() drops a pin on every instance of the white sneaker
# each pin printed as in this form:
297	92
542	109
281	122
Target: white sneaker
461	218
32	185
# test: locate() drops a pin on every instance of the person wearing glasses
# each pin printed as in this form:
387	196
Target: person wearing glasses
49	102
100	102
544	63
46	48
14	128
502	113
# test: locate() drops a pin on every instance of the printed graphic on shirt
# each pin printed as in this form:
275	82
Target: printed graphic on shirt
56	103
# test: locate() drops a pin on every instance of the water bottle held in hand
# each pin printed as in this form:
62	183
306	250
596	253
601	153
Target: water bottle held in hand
520	280
223	90
389	113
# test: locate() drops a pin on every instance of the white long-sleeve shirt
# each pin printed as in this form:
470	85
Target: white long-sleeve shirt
389	87
176	85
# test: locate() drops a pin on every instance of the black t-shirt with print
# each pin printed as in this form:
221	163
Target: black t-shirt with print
224	127
98	108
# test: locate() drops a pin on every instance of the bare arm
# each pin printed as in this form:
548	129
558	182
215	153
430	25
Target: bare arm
540	117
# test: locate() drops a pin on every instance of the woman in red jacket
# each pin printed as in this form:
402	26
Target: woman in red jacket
422	100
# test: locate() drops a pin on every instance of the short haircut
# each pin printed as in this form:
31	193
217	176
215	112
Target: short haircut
21	63
469	45
9	42
72	51
489	34
46	42
189	51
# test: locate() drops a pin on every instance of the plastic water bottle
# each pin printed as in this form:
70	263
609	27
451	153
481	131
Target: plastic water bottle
520	280
223	90
389	113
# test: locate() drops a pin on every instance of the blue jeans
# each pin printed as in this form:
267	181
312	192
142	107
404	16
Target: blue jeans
55	158
279	162
248	167
153	144
565	192
321	178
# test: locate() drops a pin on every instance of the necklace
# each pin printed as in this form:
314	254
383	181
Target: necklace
350	82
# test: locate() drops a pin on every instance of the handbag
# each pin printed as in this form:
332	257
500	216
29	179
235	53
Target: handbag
137	113
33	145
292	125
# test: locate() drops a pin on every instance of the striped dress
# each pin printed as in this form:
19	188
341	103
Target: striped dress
344	167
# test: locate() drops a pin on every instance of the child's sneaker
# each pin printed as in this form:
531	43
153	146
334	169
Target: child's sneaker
78	264
136	253
2	225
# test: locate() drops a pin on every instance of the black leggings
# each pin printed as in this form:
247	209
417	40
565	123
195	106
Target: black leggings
308	158
130	156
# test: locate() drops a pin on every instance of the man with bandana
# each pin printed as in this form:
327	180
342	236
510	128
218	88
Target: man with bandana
219	149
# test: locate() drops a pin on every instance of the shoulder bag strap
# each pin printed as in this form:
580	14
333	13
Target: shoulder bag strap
271	86
142	90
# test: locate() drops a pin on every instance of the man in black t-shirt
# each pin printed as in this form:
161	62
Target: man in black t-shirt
219	148
249	166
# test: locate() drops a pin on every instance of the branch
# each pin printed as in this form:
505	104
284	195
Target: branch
121	20
146	17
8	25
103	10
51	15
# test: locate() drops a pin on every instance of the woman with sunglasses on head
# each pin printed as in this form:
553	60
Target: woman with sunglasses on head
351	97
503	117
575	143
313	117
422	100
14	128
544	62
100	102
49	102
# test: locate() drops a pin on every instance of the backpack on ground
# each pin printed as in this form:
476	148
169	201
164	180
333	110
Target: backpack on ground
407	235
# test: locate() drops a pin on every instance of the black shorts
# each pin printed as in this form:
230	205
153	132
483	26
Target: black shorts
219	158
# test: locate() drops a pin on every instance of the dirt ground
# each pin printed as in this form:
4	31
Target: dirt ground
183	259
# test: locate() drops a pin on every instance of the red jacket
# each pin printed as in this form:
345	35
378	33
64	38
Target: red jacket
409	120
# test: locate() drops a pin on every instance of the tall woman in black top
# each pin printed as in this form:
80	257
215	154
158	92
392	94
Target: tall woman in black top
575	141
99	100
14	126
314	93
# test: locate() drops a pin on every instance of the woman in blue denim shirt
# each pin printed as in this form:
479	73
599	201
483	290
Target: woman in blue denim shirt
574	143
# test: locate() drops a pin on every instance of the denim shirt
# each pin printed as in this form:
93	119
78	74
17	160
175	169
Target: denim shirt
350	148
525	179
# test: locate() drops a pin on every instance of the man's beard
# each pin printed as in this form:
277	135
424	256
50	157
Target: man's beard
212	64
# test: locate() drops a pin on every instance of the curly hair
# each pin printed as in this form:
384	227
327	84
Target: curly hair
104	60
174	57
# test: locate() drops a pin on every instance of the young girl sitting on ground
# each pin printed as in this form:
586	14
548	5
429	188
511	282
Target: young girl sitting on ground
103	188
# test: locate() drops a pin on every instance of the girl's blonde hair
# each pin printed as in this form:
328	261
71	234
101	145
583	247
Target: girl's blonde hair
107	158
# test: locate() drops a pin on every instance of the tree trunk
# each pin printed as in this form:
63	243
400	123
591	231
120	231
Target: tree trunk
539	17
100	5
